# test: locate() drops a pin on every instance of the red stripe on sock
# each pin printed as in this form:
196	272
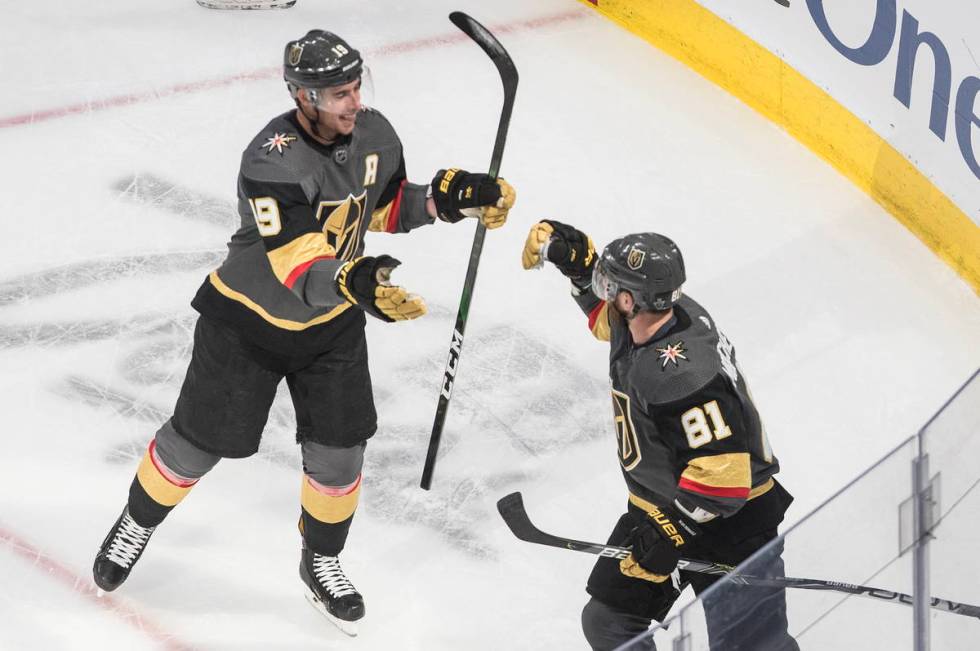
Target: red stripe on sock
334	491
166	473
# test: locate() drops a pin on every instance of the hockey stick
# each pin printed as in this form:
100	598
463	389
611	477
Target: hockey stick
511	508
508	76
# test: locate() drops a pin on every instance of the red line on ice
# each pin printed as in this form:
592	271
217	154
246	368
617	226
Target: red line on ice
44	115
86	588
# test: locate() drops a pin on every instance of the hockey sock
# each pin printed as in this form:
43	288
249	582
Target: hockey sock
327	514
155	490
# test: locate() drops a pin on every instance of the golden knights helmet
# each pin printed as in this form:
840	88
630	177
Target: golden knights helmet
647	265
320	59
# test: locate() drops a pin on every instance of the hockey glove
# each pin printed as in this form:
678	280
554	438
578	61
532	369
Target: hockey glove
565	246
460	194
658	542
364	282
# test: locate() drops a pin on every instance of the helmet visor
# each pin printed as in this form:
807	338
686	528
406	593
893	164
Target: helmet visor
603	285
346	99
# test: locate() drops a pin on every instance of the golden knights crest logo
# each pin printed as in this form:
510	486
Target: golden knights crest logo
295	54
629	445
635	258
341	222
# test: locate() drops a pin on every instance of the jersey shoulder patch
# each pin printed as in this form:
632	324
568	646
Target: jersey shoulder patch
278	153
683	361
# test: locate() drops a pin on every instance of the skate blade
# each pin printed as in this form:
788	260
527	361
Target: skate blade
348	628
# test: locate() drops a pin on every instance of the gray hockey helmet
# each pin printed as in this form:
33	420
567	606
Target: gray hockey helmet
320	59
647	265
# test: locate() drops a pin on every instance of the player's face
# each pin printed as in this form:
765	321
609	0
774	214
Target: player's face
339	106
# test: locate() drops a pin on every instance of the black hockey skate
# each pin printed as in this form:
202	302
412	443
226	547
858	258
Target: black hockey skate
119	552
330	591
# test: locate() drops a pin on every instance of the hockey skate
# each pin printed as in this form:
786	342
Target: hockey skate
119	552
330	591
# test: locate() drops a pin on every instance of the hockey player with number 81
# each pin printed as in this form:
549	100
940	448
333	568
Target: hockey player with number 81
692	448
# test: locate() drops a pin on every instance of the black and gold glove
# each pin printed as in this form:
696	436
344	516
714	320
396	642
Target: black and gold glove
658	543
458	194
565	246
365	282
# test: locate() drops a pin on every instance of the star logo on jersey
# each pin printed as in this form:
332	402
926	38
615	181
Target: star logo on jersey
279	142
672	353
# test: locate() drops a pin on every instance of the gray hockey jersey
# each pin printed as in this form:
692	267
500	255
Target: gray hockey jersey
686	424
305	208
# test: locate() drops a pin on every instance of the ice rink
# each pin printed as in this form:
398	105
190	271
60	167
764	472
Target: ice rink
121	129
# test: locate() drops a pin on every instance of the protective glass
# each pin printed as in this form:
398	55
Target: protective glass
602	285
347	98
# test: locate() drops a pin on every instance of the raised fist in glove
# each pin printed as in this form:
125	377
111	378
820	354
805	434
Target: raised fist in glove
364	282
658	542
565	246
458	194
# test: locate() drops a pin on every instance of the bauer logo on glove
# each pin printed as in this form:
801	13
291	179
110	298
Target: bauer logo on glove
458	194
657	542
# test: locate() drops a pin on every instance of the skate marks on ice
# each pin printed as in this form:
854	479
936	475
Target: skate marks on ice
79	275
153	191
516	391
516	395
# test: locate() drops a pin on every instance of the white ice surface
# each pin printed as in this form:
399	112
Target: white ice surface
851	331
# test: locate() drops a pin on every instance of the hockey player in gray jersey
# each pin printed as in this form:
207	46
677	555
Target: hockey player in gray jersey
289	302
692	448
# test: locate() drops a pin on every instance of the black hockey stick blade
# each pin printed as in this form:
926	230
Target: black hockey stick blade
511	508
508	77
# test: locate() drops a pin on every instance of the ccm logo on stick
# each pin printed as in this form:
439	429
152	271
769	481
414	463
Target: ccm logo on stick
451	364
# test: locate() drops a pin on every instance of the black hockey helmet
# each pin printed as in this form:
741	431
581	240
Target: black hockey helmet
647	265
320	59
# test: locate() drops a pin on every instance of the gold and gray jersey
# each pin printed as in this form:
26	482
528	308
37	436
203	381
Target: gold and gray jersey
305	208
686	425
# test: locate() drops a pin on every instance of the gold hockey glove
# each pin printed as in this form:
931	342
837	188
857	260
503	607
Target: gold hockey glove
568	248
658	542
365	282
458	194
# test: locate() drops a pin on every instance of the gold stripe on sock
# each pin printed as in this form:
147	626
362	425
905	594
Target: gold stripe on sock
327	508
158	487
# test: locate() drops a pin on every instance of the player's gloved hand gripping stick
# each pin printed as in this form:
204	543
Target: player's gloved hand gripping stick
508	76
